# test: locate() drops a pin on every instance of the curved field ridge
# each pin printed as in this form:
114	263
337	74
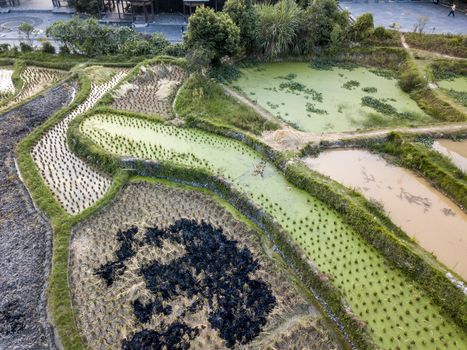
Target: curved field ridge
161	256
399	315
150	91
75	185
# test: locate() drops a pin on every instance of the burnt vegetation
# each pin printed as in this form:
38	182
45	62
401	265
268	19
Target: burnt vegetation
213	271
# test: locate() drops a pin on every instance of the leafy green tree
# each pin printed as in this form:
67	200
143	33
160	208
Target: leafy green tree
245	16
89	38
85	6
27	30
215	32
363	27
317	24
277	27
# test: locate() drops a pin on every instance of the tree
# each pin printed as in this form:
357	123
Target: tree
363	27
85	6
277	27
213	31
27	30
245	16
89	38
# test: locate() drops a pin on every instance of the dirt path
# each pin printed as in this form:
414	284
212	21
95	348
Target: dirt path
292	140
25	237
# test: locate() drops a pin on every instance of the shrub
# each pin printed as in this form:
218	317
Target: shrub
215	32
363	27
47	47
245	16
64	50
89	38
410	78
25	47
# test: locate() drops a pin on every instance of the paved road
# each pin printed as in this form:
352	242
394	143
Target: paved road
407	14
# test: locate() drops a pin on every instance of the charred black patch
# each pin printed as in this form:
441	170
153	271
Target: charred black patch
111	270
177	336
214	272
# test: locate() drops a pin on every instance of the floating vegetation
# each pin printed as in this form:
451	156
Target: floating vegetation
310	107
351	84
370	89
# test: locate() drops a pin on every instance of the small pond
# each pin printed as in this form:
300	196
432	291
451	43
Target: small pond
412	203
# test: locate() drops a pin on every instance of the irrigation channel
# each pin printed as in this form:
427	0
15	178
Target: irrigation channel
398	314
410	201
25	237
454	150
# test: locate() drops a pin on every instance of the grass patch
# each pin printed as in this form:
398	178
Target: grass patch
203	98
453	45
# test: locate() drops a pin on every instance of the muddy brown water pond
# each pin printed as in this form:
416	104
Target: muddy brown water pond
456	151
437	224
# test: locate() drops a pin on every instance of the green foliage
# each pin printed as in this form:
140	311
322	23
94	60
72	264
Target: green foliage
458	96
25	47
199	59
85	6
27	30
370	89
351	84
245	16
448	69
378	105
89	38
215	32
47	47
277	27
409	78
454	45
201	98
363	27
139	46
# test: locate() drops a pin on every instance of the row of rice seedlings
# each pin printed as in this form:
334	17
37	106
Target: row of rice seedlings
150	91
6	83
35	80
108	310
396	311
75	185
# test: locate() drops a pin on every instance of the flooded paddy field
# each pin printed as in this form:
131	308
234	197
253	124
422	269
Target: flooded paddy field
456	151
169	267
329	100
455	88
397	312
436	223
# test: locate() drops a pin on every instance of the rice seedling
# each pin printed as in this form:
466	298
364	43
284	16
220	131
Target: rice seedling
165	265
6	84
368	282
75	185
151	91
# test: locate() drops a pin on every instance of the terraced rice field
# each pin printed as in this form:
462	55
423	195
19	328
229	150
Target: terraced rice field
35	80
398	314
456	151
167	265
410	201
332	100
151	91
75	185
6	84
456	88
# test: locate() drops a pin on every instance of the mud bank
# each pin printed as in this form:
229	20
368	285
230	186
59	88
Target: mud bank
25	237
437	224
454	150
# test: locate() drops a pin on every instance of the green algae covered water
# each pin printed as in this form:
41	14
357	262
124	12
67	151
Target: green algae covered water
398	314
317	100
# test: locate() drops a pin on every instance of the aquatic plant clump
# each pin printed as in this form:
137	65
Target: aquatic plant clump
392	306
75	184
151	91
166	266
